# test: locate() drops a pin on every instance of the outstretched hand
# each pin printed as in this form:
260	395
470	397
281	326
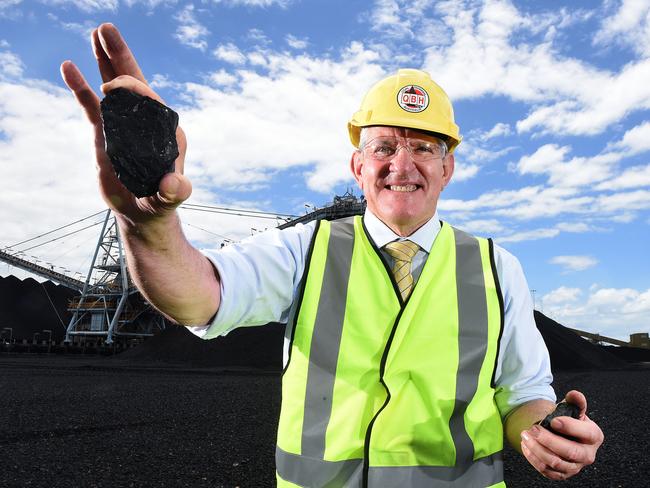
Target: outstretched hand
557	457
119	69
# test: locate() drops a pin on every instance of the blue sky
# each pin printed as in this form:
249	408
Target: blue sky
552	99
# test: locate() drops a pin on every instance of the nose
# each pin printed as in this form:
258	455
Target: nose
402	160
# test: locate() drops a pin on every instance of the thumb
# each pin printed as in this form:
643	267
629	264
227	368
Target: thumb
578	399
174	189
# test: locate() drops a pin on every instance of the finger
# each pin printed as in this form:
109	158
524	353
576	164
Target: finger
182	148
550	459
585	431
578	399
133	84
120	56
85	96
570	450
105	67
539	465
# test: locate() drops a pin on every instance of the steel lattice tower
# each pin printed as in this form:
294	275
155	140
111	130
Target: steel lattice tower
110	306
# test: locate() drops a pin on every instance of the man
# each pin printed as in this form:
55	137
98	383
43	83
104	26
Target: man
411	347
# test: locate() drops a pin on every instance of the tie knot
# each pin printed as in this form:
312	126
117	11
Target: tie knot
402	250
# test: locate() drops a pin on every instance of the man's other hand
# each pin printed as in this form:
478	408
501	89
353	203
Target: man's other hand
557	457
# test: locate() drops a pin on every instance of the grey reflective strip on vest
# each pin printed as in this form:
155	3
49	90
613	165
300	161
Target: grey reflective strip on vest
326	338
304	471
472	338
482	472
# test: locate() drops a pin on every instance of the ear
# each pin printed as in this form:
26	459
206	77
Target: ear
447	169
356	165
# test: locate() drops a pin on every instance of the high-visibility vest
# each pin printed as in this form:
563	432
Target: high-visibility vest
382	393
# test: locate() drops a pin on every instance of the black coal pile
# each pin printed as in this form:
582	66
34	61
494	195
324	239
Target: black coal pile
29	307
631	354
140	137
69	421
569	351
257	347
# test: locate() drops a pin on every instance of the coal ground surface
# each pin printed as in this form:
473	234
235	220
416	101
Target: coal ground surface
103	422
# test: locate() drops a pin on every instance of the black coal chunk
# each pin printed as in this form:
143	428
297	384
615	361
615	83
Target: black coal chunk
140	137
562	409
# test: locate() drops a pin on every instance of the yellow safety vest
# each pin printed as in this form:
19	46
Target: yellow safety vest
382	393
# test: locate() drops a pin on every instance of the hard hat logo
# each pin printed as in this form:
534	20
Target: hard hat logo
413	98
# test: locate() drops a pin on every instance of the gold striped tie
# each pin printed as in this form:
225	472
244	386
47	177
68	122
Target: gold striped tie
402	252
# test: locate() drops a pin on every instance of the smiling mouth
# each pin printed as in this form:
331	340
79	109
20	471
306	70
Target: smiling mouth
402	188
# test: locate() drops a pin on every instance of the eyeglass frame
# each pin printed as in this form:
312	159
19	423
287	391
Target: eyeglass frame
444	151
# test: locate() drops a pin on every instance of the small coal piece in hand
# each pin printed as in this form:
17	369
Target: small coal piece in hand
562	409
140	135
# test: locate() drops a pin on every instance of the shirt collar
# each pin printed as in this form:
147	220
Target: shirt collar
382	234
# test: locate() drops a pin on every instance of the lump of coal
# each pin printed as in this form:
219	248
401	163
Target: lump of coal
140	139
562	409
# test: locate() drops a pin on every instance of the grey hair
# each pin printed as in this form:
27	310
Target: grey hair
362	137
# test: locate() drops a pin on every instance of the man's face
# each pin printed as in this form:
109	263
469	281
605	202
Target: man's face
402	193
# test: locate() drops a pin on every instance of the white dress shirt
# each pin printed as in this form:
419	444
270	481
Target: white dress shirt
260	279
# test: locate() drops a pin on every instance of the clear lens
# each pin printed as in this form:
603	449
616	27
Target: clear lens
385	148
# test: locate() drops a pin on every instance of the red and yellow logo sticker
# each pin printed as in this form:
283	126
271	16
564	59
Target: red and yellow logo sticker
413	98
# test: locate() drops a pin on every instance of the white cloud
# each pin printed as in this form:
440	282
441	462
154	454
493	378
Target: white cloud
159	81
464	171
86	5
482	226
632	177
544	159
7	4
613	312
635	140
635	200
255	3
578	227
576	172
229	53
190	31
151	4
400	21
222	78
561	295
257	58
11	66
258	36
83	29
629	26
528	235
385	17
295	42
499	130
574	263
480	155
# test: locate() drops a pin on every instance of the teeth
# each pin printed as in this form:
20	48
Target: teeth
403	187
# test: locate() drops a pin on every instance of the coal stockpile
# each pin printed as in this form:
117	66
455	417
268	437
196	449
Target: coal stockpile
630	354
29	307
261	347
569	351
69	421
253	347
72	421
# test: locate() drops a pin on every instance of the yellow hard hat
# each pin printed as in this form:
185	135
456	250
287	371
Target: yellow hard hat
409	99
